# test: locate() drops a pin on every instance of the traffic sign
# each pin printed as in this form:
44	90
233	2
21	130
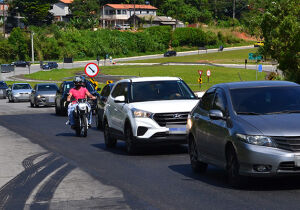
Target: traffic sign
200	80
91	69
109	81
200	72
260	68
208	73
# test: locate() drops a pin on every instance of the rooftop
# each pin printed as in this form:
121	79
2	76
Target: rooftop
131	6
253	84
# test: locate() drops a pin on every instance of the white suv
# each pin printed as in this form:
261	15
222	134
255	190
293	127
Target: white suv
148	110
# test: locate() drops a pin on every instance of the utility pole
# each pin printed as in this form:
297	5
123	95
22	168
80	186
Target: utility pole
233	9
103	21
216	10
3	4
134	14
32	48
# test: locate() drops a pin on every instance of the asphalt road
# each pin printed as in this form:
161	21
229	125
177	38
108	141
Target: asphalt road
157	178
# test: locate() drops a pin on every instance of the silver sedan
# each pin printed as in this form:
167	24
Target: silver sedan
247	128
19	92
43	95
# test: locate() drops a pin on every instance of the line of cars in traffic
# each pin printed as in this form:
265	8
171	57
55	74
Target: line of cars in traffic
246	128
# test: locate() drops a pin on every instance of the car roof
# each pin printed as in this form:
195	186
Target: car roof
149	79
46	84
253	84
21	84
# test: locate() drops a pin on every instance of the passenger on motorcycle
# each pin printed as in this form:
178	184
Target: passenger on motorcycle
78	92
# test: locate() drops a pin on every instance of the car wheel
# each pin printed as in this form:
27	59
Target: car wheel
197	165
31	104
98	121
130	146
234	178
109	141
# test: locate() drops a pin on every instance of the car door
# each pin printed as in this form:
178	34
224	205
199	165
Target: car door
120	107
218	130
201	119
111	109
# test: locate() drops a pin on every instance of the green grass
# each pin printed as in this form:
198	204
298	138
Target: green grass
31	83
231	57
54	75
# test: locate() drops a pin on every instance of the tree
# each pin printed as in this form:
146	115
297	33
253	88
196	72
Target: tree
17	40
35	12
281	31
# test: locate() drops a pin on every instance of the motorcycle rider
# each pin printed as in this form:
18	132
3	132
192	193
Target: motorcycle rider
78	92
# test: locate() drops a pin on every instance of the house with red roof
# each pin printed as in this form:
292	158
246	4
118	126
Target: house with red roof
118	14
60	10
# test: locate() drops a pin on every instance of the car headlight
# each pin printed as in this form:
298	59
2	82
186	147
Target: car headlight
257	140
189	122
140	113
39	96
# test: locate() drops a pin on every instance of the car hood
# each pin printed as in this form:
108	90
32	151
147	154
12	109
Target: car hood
168	106
22	91
46	93
275	125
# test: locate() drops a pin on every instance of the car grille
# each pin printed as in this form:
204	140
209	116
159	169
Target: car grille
288	166
163	119
288	143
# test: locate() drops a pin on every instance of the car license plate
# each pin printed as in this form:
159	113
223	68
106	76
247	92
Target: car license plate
177	129
297	160
51	100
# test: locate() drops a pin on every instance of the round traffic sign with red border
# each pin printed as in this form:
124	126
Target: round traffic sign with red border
208	73
200	72
91	69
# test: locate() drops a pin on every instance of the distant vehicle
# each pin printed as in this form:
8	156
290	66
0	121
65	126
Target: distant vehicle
20	63
248	129
122	27
50	65
258	44
6	68
3	89
19	92
62	94
43	95
101	101
170	53
148	110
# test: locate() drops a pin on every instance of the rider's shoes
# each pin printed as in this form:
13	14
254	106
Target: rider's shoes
68	122
90	125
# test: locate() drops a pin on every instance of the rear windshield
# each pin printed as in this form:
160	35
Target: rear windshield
3	85
160	90
266	100
47	88
21	86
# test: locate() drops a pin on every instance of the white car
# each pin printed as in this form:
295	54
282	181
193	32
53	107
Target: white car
148	110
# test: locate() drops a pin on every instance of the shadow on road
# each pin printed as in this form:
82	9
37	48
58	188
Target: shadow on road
145	150
217	177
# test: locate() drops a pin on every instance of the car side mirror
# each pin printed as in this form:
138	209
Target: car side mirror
216	114
120	99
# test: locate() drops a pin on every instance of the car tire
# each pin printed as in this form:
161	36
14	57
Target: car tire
57	112
235	180
197	166
31	104
98	121
109	141
130	146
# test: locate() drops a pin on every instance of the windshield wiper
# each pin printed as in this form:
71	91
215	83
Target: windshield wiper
285	112
248	113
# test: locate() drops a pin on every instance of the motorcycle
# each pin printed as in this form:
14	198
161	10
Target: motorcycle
81	114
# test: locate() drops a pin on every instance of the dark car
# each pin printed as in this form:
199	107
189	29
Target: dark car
6	68
21	63
50	65
101	101
62	94
248	129
43	95
3	89
170	53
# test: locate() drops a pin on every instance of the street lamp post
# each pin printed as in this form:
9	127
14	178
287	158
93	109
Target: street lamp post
3	4
134	14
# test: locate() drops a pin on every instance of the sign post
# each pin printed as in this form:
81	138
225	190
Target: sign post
208	73
91	69
200	72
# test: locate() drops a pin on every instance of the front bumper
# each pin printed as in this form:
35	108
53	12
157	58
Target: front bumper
45	101
21	97
281	162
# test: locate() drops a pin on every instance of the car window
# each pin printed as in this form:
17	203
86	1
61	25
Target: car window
220	102
207	100
68	86
21	86
120	90
106	90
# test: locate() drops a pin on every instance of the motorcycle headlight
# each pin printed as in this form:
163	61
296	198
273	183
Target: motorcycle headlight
140	113
82	106
257	140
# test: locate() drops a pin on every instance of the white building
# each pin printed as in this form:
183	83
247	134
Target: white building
60	10
113	14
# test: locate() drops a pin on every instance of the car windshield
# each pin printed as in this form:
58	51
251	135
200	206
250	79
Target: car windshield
21	86
266	100
3	85
160	90
47	88
68	86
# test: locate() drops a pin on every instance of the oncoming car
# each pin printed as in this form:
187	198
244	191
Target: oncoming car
247	128
43	95
19	92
